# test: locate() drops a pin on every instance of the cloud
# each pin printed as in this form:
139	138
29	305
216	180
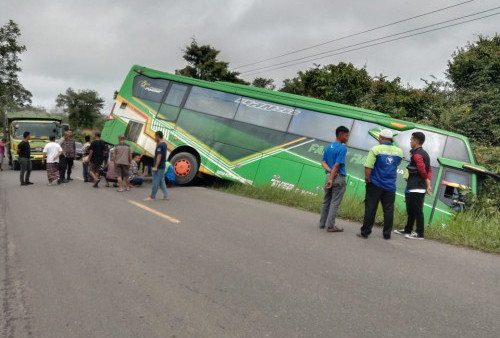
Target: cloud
92	44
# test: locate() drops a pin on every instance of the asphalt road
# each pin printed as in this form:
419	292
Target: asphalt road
82	262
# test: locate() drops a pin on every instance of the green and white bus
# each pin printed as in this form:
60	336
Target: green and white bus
262	137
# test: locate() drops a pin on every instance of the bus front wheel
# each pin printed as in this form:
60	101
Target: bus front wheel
185	167
17	166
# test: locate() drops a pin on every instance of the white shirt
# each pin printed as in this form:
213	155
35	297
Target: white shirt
51	149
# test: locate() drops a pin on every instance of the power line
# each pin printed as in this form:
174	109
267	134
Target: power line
354	34
376	44
368	41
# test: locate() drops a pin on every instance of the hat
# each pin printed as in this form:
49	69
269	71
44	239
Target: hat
386	133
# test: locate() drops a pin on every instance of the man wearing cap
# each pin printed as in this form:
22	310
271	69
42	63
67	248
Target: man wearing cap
380	176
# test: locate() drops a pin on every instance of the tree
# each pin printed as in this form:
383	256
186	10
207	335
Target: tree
342	83
203	64
262	82
399	101
474	72
83	107
12	92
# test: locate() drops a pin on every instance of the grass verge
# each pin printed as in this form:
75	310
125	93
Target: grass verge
474	229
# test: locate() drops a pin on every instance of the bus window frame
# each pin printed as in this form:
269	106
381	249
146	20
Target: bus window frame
181	106
282	130
210	113
313	112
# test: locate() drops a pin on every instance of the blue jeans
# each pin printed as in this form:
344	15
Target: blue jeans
136	181
86	175
159	181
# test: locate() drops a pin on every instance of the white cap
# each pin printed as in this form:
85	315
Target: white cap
386	133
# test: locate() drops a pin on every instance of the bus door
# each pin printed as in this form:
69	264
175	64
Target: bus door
448	198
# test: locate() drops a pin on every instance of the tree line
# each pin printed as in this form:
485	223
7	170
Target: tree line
467	102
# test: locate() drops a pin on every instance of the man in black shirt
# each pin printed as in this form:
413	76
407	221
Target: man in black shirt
95	158
24	152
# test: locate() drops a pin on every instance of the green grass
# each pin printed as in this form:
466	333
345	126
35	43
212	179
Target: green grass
473	229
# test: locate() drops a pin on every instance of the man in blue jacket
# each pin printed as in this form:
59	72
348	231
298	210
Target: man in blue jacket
380	176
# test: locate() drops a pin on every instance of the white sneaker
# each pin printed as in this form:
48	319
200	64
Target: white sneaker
414	235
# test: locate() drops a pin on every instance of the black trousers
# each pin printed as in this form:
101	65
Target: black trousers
65	164
415	210
62	167
69	166
374	195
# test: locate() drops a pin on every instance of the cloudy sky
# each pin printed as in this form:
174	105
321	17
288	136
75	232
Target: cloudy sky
91	44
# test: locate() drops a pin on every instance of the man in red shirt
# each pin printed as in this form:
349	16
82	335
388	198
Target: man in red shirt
419	183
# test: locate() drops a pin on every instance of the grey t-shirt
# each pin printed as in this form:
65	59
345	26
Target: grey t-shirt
122	152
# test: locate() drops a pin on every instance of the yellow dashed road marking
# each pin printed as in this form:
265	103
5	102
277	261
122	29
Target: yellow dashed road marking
153	211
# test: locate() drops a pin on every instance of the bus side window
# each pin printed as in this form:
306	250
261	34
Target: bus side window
448	194
434	144
316	125
133	131
265	114
456	150
176	94
175	97
360	138
150	90
212	102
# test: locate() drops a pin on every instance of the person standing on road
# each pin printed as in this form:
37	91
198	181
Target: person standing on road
380	176
159	168
3	144
419	183
122	157
24	152
85	164
62	159
66	162
51	152
335	185
95	158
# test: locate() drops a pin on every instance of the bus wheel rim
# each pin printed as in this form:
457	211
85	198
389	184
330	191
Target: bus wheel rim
182	167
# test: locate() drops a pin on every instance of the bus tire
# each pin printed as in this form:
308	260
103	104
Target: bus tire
185	167
17	166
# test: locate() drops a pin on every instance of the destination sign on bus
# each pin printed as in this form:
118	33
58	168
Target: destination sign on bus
268	106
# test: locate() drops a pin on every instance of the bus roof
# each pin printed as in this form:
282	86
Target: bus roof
298	101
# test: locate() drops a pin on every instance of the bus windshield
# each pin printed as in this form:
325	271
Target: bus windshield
38	130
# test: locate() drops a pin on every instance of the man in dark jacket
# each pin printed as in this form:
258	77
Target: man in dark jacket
419	183
66	161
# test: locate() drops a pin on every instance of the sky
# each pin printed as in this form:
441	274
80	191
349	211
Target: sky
89	44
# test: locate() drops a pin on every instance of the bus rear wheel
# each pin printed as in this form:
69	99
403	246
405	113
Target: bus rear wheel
185	167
